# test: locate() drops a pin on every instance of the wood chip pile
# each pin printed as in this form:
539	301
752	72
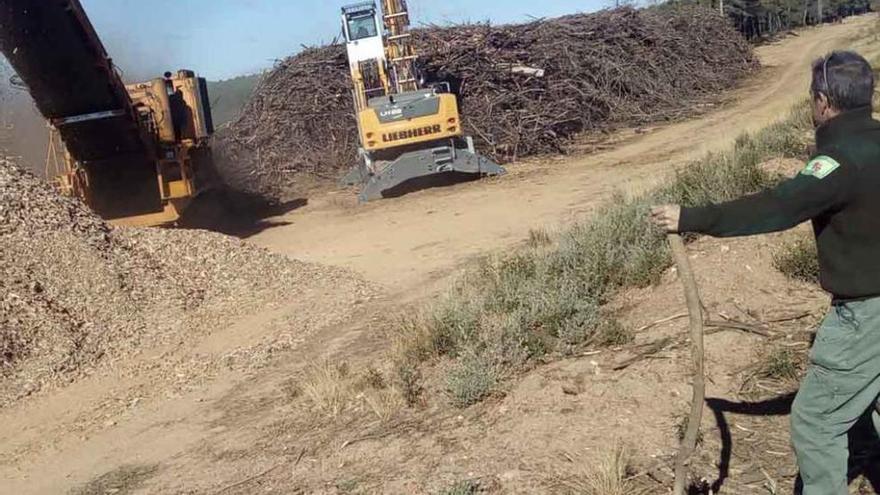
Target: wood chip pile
620	67
76	292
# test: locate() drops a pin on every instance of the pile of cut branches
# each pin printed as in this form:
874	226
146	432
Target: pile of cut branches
524	89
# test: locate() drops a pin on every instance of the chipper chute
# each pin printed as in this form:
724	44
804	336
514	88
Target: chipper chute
135	153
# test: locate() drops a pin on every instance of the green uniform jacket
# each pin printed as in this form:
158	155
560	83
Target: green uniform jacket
839	190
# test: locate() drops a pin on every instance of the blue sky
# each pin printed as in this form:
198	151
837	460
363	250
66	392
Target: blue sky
225	38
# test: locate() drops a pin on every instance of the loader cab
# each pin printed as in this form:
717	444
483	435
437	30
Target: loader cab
363	29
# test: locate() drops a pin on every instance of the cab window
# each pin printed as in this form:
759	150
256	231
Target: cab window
361	27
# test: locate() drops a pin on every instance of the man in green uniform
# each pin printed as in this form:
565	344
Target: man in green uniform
839	190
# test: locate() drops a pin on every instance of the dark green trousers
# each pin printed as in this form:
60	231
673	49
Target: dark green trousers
842	382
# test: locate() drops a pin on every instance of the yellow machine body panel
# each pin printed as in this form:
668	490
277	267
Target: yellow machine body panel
389	126
131	152
171	212
174	114
173	107
407	128
151	100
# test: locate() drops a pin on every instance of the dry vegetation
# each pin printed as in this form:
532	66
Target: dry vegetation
797	258
548	297
782	364
466	487
610	475
331	388
611	68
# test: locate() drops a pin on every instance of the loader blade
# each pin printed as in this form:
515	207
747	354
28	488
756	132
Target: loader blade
459	157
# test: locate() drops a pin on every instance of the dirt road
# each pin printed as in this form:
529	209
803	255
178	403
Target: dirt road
115	428
407	242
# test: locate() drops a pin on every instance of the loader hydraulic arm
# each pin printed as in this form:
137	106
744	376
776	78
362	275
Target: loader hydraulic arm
400	48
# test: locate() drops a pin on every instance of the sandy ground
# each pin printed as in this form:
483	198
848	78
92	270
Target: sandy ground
241	429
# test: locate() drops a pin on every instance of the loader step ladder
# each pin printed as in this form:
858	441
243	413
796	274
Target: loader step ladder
400	50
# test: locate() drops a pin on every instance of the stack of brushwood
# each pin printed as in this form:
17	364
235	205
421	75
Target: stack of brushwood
524	89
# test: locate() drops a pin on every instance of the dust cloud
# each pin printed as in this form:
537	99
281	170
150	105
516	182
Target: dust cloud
138	61
23	131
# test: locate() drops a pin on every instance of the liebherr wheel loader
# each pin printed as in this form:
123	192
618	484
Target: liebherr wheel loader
407	128
136	154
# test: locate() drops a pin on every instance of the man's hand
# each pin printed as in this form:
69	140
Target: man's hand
666	217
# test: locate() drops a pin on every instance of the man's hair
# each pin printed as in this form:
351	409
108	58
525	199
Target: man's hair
845	78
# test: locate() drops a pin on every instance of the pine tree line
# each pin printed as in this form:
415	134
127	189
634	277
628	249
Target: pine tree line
760	18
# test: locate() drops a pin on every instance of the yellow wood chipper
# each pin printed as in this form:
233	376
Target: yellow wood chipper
136	154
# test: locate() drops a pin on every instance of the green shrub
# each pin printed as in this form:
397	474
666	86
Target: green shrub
471	379
409	380
466	487
611	333
781	364
617	248
508	343
346	486
730	174
798	259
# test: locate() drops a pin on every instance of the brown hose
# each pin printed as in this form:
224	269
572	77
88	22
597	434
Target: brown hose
692	297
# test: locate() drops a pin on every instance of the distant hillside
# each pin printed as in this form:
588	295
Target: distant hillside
229	96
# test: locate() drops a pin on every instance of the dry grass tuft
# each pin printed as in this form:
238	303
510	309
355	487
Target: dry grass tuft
330	389
466	487
325	387
384	404
539	238
798	259
609	476
782	364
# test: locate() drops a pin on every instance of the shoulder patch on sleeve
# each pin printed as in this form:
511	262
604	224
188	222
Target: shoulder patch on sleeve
821	167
